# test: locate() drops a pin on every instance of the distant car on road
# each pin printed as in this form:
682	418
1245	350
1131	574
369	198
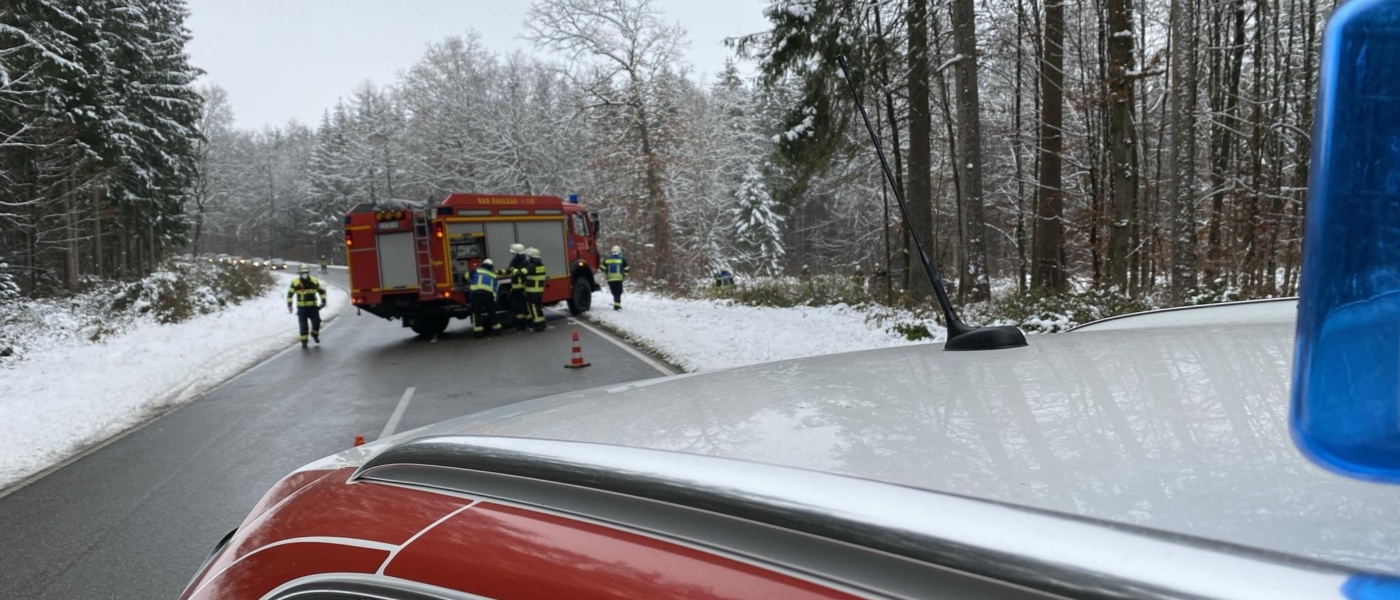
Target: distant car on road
223	258
1148	457
277	264
259	261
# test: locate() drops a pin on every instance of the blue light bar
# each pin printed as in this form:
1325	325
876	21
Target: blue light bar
444	211
1346	379
573	198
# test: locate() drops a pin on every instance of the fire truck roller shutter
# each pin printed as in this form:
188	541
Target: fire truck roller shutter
397	266
499	236
548	236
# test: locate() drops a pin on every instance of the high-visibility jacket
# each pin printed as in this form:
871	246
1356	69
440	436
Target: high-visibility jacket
483	280
516	271
306	292
616	267
535	276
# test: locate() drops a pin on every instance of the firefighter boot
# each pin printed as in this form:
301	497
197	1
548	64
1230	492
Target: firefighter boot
316	335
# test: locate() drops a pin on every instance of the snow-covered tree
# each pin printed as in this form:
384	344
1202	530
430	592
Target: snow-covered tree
757	227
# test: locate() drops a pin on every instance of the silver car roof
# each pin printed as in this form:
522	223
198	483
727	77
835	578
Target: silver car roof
1179	429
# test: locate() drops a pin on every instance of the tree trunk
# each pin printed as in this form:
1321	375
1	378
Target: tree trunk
1122	137
1223	141
661	216
70	245
974	277
954	255
98	255
920	192
1182	159
897	154
1048	274
1017	149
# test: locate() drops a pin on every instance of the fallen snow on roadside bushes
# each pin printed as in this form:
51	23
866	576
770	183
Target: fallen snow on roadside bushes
704	335
67	396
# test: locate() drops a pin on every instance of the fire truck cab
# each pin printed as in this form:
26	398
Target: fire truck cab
412	263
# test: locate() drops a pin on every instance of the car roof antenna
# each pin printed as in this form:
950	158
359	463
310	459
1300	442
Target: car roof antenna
961	336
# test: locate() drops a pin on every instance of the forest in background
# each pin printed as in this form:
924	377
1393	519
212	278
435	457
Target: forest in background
1152	150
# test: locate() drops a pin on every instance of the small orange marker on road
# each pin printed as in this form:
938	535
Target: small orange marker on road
577	361
359	440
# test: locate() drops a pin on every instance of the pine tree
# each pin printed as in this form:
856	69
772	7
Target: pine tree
757	226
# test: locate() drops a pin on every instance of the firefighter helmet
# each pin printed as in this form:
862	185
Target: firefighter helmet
517	248
487	263
305	269
617	250
534	252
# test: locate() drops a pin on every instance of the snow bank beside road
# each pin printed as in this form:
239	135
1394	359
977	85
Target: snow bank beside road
704	335
62	399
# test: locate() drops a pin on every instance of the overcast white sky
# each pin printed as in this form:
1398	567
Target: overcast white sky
291	59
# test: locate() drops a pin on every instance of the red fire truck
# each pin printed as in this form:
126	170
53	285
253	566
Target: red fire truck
411	263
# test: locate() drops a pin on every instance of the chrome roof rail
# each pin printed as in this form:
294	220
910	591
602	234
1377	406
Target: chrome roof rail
1049	552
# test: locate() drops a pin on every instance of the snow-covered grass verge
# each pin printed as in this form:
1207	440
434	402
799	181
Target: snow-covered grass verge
703	335
73	393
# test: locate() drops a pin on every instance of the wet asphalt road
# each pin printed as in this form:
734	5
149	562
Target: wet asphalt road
134	519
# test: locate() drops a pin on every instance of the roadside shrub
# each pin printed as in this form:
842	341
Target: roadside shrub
1037	313
180	291
787	292
912	331
1214	292
174	293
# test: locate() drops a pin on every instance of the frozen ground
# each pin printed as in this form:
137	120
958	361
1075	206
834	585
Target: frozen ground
65	397
704	335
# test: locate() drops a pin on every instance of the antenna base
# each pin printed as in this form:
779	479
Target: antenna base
963	337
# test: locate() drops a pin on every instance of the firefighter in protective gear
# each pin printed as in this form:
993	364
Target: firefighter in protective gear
518	271
310	298
483	287
323	264
617	271
535	278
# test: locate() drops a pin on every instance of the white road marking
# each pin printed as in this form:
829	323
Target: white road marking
395	551
620	344
398	414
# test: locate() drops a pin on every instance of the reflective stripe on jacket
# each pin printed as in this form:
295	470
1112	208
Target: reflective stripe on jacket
535	276
306	293
484	281
616	267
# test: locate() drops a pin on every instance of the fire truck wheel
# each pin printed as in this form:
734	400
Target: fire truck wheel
430	326
582	299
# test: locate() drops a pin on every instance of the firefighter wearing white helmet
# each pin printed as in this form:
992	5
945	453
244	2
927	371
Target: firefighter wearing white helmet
310	298
516	270
535	277
482	286
617	270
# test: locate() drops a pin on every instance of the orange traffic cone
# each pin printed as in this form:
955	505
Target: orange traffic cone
577	361
359	440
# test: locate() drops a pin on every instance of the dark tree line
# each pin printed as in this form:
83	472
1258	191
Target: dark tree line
97	138
1054	145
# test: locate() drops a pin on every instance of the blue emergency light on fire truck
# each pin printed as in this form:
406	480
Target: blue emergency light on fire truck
410	262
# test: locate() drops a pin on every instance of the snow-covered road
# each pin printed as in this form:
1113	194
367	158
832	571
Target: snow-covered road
702	335
63	399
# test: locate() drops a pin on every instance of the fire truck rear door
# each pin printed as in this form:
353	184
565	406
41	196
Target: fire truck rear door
397	269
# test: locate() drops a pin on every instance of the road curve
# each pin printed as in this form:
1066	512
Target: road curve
135	518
